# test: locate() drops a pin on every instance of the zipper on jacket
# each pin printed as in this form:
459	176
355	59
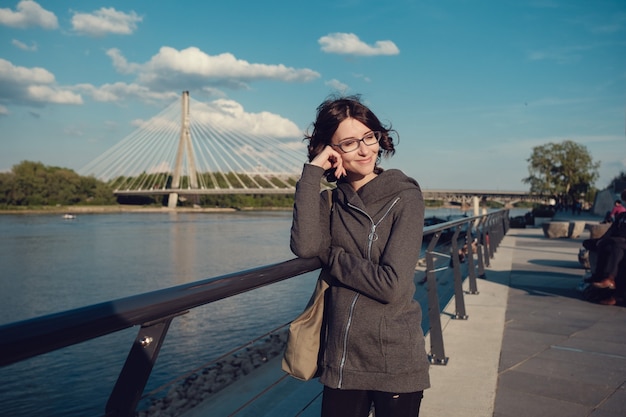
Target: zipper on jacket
344	353
371	238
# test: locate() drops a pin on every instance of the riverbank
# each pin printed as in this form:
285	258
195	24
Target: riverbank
127	208
124	208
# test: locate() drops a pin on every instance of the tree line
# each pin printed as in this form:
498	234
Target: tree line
35	184
565	171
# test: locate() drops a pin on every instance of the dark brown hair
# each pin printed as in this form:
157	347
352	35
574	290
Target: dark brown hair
335	110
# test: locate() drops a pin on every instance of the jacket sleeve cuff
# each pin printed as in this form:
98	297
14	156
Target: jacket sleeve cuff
311	174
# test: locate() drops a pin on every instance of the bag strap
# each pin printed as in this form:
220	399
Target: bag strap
330	198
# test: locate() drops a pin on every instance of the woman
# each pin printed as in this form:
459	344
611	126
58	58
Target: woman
369	244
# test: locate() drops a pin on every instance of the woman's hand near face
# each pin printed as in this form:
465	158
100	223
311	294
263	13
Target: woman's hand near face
330	158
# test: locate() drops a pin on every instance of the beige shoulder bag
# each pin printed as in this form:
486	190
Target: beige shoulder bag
302	353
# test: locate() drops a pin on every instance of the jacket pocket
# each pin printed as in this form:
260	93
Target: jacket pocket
400	344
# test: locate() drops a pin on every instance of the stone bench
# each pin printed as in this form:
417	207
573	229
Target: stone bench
571	229
576	228
556	229
596	230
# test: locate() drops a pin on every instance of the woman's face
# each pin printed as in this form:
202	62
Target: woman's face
359	164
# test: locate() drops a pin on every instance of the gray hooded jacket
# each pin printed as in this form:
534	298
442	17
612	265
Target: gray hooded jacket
369	243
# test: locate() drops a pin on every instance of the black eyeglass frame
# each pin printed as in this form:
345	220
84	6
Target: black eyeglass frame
377	134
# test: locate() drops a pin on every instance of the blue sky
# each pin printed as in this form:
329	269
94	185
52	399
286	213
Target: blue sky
471	86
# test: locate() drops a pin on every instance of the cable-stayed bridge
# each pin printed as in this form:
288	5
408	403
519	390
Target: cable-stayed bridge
185	151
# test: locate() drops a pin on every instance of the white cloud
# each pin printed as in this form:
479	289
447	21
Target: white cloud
119	92
52	94
120	63
138	123
28	14
196	69
350	44
32	86
23	75
104	22
3	110
23	46
231	116
337	85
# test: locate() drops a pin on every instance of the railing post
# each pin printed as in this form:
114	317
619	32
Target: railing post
504	223
469	239
506	219
496	232
480	248
486	240
459	300
437	354
134	376
492	233
501	229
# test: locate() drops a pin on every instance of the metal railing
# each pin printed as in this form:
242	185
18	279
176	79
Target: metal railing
154	311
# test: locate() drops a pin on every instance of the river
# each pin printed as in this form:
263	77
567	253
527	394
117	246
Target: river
50	264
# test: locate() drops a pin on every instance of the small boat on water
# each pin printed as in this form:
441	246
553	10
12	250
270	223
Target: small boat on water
69	216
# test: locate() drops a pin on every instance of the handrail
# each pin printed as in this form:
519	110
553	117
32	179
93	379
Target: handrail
25	339
154	311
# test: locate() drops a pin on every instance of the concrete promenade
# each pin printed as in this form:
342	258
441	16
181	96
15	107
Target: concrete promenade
531	347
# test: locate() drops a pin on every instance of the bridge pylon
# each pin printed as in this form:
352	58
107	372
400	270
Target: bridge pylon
184	154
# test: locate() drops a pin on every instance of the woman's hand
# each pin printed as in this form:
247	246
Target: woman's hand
330	158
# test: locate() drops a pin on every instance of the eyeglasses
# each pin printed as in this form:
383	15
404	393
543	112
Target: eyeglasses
351	145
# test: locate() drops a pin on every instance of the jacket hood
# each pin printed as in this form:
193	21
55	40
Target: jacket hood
381	189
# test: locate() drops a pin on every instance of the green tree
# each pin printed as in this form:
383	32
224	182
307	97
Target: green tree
29	187
565	171
34	184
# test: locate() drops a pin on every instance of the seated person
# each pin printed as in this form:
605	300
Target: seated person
611	248
618	208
